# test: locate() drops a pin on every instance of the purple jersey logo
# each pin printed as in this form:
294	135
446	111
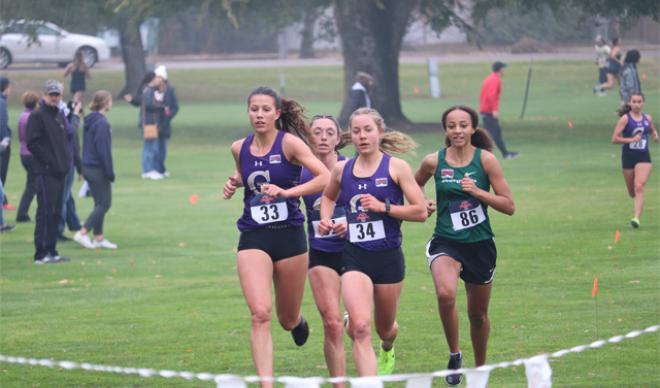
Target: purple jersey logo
381	182
275	159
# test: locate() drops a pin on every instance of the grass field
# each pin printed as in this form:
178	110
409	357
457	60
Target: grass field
169	297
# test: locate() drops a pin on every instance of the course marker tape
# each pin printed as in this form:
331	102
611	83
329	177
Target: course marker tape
235	381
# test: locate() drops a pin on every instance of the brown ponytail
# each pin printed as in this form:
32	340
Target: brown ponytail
391	141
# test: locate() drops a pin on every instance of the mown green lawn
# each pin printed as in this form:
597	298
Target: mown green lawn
169	298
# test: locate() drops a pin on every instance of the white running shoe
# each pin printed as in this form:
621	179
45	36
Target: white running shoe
83	240
155	175
104	244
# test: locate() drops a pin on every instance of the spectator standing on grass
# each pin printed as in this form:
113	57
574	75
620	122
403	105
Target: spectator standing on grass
5	138
268	164
602	53
462	245
372	186
632	132
79	73
46	139
629	78
359	96
72	113
151	111
167	95
30	101
489	106
98	170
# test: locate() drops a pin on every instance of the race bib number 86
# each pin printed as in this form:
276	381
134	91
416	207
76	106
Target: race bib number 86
466	213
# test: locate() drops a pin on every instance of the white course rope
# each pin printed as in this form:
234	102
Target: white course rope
228	380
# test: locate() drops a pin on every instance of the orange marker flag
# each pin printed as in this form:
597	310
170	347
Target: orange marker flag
594	290
617	236
570	124
193	199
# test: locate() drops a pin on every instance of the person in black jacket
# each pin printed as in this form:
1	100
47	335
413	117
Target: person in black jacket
98	170
359	96
46	139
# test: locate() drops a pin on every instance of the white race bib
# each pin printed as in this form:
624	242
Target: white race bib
363	227
466	213
266	209
638	145
315	225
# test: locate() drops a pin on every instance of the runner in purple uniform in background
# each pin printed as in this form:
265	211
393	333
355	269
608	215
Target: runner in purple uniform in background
325	252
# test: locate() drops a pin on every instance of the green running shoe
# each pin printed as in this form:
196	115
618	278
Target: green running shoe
634	222
386	361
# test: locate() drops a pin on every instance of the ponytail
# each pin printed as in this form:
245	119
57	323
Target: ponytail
624	109
292	118
391	141
397	142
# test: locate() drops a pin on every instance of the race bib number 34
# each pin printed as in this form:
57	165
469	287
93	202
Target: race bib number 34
365	227
266	209
466	213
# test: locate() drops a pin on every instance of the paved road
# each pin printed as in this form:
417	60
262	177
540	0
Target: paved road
217	62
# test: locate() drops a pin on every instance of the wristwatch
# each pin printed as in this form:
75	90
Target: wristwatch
388	206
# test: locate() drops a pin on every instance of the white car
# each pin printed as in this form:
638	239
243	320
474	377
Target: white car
53	44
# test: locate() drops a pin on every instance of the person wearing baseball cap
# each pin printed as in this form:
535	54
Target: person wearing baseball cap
46	138
489	102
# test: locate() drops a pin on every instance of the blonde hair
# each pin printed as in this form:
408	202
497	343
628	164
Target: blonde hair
391	141
100	100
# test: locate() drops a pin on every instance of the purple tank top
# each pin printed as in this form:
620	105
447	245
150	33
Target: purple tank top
329	243
261	211
369	230
637	127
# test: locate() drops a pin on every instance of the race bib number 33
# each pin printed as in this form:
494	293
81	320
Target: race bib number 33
265	209
466	213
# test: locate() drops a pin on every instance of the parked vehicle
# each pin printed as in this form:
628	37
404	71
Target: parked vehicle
32	41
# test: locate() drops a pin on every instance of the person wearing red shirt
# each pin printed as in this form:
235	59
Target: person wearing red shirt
489	102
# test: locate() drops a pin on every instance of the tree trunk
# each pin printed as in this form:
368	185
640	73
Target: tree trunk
371	33
132	53
307	33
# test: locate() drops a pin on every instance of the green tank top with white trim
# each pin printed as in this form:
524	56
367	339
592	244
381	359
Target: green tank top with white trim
460	216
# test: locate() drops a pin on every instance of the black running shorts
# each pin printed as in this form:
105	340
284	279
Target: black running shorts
382	267
332	260
630	158
477	259
278	242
